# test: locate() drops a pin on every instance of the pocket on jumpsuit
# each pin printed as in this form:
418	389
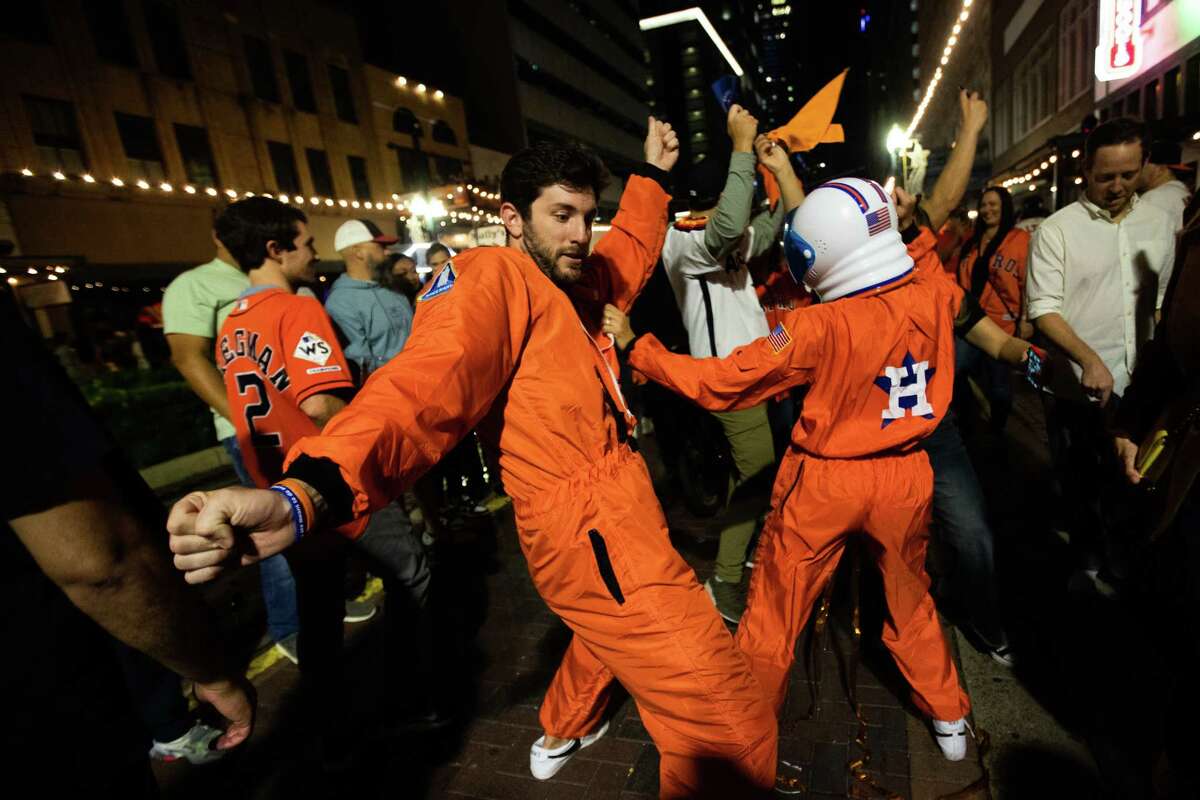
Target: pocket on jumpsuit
604	564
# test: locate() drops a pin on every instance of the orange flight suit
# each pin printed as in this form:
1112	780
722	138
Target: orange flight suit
881	369
497	346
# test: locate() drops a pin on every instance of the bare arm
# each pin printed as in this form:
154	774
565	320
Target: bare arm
192	356
103	559
948	192
1096	378
320	408
991	339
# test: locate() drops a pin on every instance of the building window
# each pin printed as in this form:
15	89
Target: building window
142	152
1150	97
1191	86
343	98
166	39
55	134
1002	118
443	133
1034	88
1172	84
448	170
414	169
1076	45
318	169
283	162
406	122
358	176
262	69
300	79
194	149
110	33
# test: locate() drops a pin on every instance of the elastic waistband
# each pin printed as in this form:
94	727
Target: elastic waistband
594	474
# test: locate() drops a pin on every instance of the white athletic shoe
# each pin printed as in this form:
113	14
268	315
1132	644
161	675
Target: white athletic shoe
952	738
545	763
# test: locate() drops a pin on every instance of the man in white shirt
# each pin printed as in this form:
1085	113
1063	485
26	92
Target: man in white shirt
705	257
1160	186
1098	271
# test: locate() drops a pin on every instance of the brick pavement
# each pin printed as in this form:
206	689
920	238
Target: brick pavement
508	645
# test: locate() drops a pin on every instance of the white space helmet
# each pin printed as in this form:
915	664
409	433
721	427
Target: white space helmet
843	240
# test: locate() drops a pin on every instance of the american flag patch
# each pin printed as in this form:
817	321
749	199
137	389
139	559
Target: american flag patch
779	338
878	221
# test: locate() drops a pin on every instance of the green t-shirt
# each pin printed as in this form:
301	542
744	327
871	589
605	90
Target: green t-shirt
197	303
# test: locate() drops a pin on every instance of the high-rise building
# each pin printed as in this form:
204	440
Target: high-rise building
532	70
688	54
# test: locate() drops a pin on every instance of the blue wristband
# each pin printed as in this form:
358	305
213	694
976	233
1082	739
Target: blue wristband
298	521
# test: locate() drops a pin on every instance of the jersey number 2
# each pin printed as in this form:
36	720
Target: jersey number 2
258	409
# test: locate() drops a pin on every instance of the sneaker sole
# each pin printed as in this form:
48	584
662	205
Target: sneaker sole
556	763
713	597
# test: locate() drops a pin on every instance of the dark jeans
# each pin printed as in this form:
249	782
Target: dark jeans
278	585
395	553
1095	498
995	376
960	518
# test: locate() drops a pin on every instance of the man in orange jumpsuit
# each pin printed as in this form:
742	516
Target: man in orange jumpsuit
880	364
509	340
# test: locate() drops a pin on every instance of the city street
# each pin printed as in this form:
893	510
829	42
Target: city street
1049	721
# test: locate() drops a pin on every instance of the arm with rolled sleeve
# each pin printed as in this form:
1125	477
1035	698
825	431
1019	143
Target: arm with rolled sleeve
462	353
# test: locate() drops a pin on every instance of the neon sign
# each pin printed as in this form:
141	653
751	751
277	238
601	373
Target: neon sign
1119	48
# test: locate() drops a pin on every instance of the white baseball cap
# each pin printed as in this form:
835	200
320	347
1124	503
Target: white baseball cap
357	231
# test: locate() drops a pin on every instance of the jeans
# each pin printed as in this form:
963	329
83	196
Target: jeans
996	377
961	525
278	585
1096	501
394	552
396	555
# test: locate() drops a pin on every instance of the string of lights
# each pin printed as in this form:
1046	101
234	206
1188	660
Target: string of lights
931	89
403	208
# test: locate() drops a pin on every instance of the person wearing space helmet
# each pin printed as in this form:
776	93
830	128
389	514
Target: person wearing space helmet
878	354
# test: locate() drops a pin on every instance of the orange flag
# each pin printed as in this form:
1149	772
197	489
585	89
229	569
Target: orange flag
812	125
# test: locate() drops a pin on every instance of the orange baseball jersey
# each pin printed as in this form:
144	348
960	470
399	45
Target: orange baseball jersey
1003	295
881	365
779	295
276	349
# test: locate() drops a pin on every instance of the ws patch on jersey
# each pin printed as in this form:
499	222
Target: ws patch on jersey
313	348
906	386
779	338
443	283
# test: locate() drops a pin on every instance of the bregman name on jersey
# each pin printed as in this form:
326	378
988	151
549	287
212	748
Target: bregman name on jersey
246	346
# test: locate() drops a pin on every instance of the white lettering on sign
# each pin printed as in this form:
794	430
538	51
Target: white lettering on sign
1119	44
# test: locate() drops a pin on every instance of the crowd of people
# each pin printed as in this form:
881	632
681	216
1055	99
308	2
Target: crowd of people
837	335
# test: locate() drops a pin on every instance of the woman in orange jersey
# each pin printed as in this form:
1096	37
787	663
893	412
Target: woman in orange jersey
991	268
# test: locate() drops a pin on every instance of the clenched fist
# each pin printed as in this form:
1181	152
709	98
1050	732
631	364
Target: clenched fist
662	145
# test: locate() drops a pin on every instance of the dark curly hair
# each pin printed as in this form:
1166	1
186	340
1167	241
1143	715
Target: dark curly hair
246	226
549	164
1119	130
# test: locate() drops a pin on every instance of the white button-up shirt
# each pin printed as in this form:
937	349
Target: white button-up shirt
1105	278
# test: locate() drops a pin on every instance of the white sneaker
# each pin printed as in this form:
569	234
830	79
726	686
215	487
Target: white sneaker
952	738
545	763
